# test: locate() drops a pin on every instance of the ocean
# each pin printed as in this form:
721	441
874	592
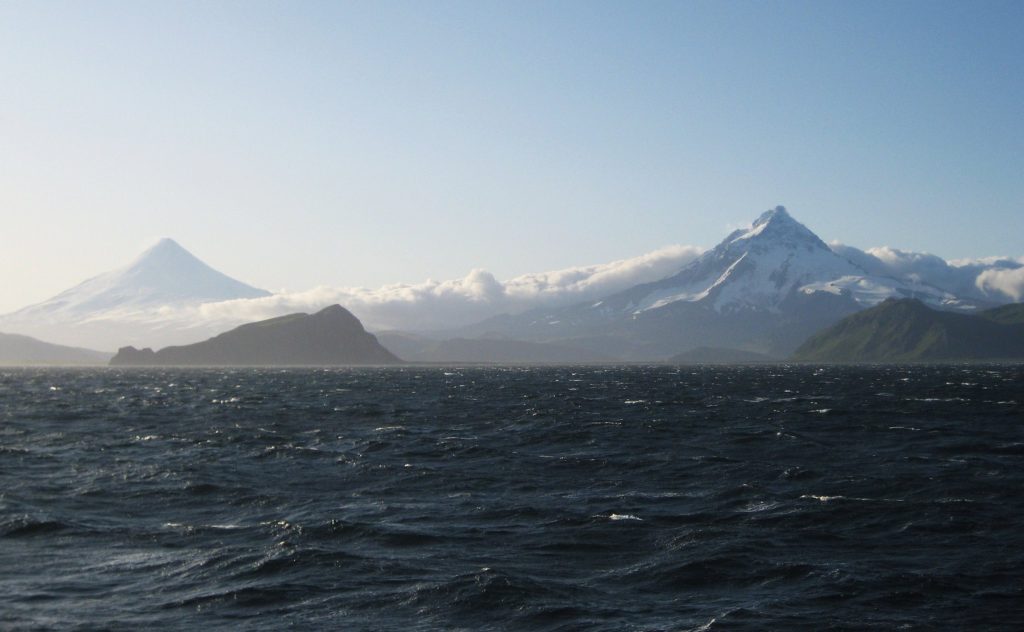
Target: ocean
513	498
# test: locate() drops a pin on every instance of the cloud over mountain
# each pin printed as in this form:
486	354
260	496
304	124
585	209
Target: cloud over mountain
441	304
992	278
1007	281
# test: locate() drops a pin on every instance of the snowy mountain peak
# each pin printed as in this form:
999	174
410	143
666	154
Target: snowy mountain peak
778	258
775	227
163	246
779	212
165	252
167	242
755	268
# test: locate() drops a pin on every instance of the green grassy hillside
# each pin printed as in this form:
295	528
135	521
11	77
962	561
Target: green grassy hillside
908	331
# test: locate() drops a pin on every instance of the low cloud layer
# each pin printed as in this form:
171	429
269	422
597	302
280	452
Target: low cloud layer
453	303
438	305
996	279
1007	282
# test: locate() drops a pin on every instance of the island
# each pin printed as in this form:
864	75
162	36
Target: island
330	337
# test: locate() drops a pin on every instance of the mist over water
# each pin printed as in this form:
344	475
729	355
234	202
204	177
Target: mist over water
617	498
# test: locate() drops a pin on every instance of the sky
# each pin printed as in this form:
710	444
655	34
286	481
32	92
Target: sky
299	144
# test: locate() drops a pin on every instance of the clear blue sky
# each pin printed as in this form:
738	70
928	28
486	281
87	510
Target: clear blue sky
292	144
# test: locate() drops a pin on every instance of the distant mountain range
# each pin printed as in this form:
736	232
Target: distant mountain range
763	290
907	330
18	350
760	293
332	336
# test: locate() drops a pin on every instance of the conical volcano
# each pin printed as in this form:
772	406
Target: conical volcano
164	274
107	311
755	268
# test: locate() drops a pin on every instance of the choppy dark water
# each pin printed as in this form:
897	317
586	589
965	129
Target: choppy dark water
653	498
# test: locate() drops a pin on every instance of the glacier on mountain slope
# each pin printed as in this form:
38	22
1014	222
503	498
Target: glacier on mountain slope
869	291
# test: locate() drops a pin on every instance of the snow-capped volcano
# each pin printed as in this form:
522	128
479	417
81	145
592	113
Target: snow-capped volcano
164	274
765	268
762	266
758	268
102	310
764	288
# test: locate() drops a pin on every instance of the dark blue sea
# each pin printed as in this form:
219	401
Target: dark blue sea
614	498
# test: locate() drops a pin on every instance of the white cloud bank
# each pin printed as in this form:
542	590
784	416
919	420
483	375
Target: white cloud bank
995	279
434	305
1007	282
445	304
